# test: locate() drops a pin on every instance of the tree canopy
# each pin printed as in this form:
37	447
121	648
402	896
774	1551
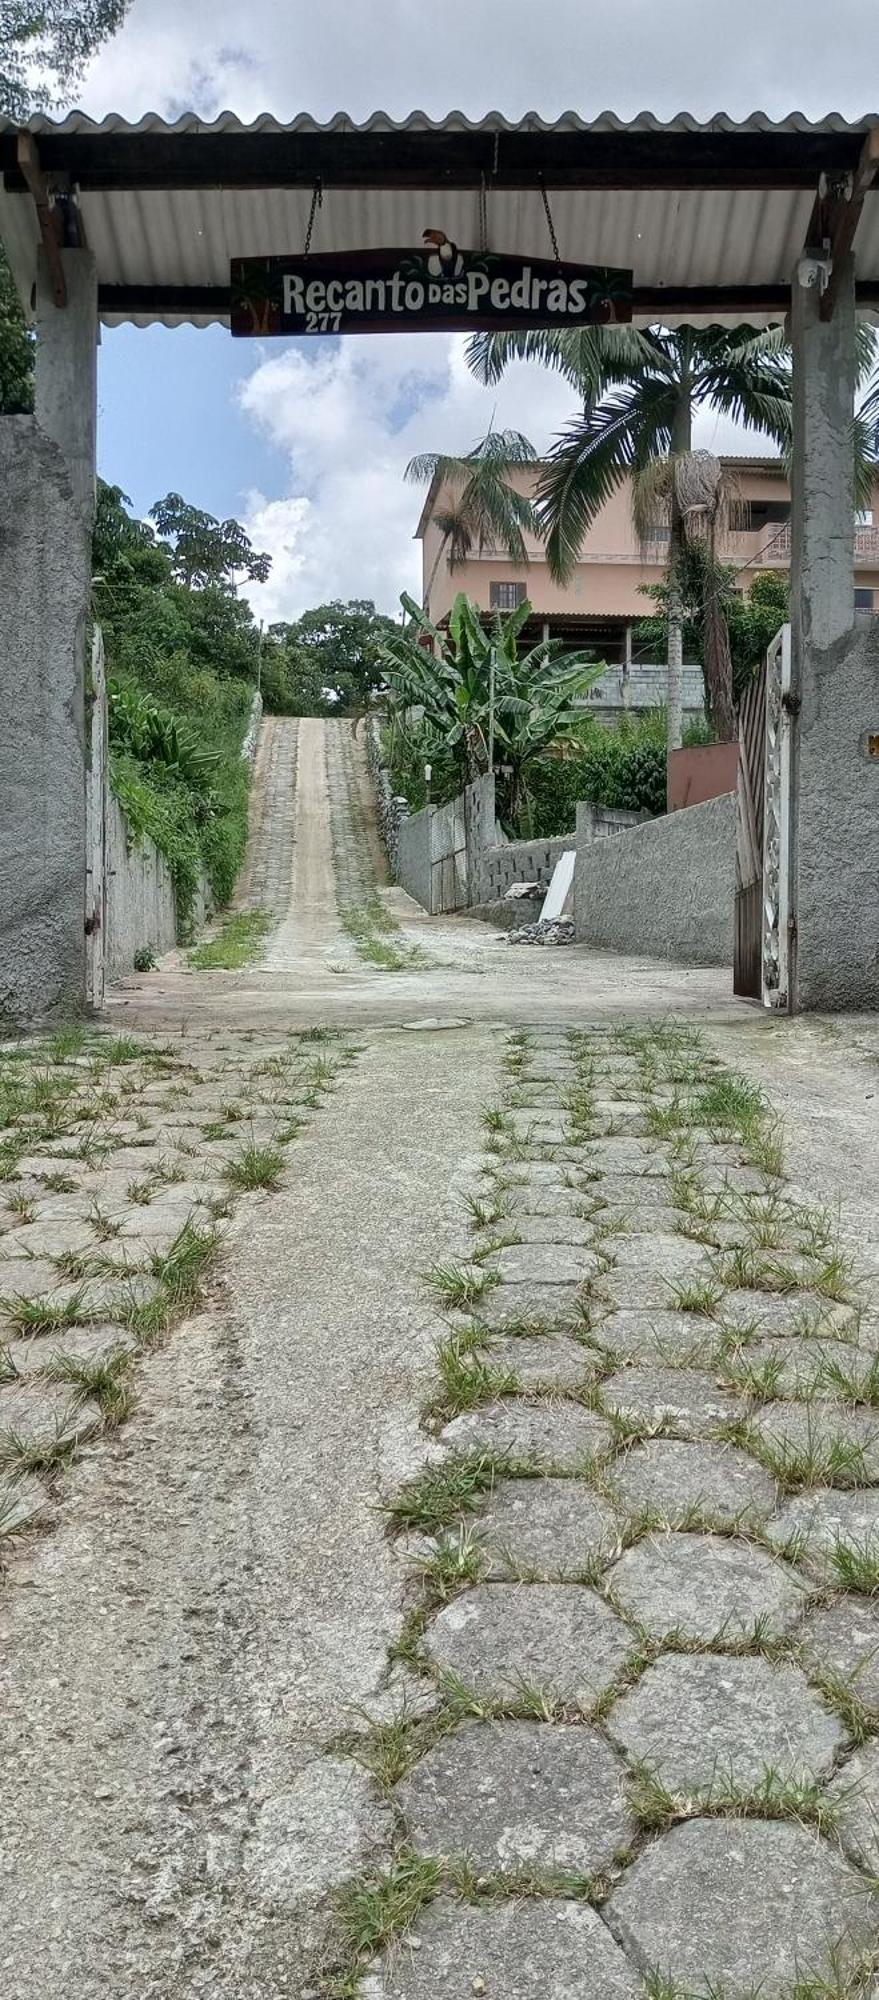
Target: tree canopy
204	550
331	657
45	46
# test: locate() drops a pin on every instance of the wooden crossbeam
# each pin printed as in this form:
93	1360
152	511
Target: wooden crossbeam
29	162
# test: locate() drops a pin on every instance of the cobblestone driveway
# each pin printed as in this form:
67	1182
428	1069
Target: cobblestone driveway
119	1161
641	1756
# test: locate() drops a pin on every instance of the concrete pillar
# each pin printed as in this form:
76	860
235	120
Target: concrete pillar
66	404
835	680
47	489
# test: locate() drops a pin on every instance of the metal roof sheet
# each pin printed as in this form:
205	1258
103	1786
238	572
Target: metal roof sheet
691	239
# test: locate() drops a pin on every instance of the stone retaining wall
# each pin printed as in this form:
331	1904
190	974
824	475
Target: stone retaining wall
392	810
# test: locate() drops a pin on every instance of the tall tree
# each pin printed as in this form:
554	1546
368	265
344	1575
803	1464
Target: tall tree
639	390
333	655
44	48
481	506
204	550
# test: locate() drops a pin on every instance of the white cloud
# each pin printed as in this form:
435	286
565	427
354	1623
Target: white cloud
351	415
356	55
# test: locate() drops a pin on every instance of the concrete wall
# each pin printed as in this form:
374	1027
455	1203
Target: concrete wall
836	883
662	890
432	857
707	771
390	807
141	913
44	534
141	904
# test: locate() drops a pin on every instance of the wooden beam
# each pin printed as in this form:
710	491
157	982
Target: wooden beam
846	217
29	162
441	158
657	302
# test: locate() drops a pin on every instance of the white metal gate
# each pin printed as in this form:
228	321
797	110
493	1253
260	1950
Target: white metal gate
778	914
96	825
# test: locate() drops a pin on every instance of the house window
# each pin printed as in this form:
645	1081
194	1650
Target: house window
864	600
505	596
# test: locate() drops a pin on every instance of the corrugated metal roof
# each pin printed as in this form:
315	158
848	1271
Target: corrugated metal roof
677	239
419	121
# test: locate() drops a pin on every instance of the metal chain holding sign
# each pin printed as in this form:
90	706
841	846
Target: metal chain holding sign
776	826
550	224
317	200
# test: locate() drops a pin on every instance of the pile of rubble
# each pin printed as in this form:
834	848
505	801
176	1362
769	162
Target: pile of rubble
558	931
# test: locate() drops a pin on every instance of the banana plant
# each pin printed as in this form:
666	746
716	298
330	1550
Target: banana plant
483	699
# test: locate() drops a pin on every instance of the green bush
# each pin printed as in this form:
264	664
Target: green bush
624	767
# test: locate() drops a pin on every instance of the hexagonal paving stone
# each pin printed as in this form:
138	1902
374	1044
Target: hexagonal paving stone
525	1950
855	1793
684	1398
792	1312
742	1907
649	1270
672	1479
543	1264
546	1361
549	1527
566	1231
558	1637
824	1520
656	1335
630	1158
549	1305
45	1412
703	1722
22	1503
551	1203
843	1639
26	1278
66	1236
520	1794
553	1434
79	1343
834	1438
706	1588
801	1364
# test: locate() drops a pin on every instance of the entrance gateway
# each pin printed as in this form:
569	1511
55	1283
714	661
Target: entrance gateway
434	224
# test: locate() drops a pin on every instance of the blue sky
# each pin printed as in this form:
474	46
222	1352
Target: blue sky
307	442
170	418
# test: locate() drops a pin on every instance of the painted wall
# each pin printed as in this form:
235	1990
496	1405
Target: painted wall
662	890
43	533
705	772
614	566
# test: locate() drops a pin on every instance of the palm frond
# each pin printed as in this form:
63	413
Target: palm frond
589	357
584	467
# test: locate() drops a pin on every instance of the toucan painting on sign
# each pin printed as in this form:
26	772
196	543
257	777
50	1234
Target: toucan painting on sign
437	289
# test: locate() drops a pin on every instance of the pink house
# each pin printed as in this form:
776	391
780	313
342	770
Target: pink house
604	600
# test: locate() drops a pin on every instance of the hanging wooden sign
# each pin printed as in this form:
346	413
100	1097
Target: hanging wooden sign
439	289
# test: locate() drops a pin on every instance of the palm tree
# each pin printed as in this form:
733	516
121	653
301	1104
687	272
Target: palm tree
640	389
484	508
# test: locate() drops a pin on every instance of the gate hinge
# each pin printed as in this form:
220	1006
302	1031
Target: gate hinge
791	703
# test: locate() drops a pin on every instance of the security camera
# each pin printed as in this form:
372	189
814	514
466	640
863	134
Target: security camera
813	271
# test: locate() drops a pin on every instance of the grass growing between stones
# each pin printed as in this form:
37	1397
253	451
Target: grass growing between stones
436	1497
456	1285
379	938
376	1911
237	942
776	1796
256	1167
